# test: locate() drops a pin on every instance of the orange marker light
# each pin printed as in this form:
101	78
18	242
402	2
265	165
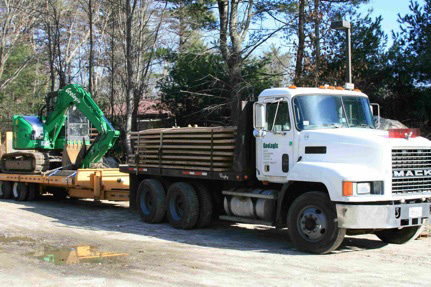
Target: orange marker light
347	188
292	87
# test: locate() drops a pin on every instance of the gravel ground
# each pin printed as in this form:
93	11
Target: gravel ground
158	255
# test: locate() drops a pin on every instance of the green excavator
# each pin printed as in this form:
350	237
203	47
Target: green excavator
40	141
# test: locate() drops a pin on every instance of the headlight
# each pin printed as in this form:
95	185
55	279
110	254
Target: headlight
362	188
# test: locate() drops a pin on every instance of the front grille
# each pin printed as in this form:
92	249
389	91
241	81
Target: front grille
411	170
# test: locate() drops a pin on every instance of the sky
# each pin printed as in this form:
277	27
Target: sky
389	10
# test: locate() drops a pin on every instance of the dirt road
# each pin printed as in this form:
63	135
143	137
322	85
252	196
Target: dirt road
158	255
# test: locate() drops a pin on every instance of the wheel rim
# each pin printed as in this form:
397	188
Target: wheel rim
312	223
176	207
146	202
15	190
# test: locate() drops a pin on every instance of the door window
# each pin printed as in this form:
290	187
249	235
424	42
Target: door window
277	117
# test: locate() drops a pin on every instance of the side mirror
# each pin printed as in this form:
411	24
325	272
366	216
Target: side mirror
259	116
378	113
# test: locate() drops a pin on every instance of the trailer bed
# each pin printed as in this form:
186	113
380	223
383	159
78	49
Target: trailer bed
102	184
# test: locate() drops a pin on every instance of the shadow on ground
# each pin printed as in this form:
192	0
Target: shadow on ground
101	216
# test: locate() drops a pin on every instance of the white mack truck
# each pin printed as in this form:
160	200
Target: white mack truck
309	159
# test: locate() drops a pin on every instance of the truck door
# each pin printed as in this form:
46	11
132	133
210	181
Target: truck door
274	138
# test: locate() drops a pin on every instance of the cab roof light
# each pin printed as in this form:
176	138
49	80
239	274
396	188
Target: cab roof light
347	188
404	133
292	87
331	87
339	88
357	90
322	87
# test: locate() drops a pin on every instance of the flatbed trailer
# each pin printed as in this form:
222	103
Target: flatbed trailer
98	184
92	183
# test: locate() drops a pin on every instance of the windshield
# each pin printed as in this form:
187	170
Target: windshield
329	111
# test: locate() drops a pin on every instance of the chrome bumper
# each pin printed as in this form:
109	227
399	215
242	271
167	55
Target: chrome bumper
353	216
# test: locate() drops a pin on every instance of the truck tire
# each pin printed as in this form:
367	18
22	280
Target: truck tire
19	191
205	205
399	236
312	224
33	191
183	206
1	190
7	189
151	201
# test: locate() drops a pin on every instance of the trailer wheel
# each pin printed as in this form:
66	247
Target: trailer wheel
33	191
7	189
19	191
183	206
312	224
1	190
399	236
151	201
205	205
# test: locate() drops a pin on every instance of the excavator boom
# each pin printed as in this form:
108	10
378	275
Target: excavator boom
75	95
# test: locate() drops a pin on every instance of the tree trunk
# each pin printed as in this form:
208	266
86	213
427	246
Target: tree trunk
316	42
129	88
236	84
301	43
51	57
112	62
90	60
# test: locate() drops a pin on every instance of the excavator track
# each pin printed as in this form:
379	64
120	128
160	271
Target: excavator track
26	162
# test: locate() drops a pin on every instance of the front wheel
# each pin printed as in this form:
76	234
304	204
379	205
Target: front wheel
399	236
312	224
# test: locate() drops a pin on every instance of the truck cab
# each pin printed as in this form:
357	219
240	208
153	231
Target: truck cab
376	179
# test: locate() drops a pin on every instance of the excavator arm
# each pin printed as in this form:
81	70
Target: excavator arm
75	95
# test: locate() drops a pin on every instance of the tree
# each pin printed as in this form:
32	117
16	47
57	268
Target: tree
307	26
416	40
140	25
408	98
25	93
237	44
197	89
16	25
188	17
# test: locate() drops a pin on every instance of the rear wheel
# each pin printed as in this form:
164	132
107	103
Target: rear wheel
19	191
1	190
151	201
183	206
33	191
205	205
399	236
312	223
7	189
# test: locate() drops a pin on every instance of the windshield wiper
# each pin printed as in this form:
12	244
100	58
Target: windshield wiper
332	125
